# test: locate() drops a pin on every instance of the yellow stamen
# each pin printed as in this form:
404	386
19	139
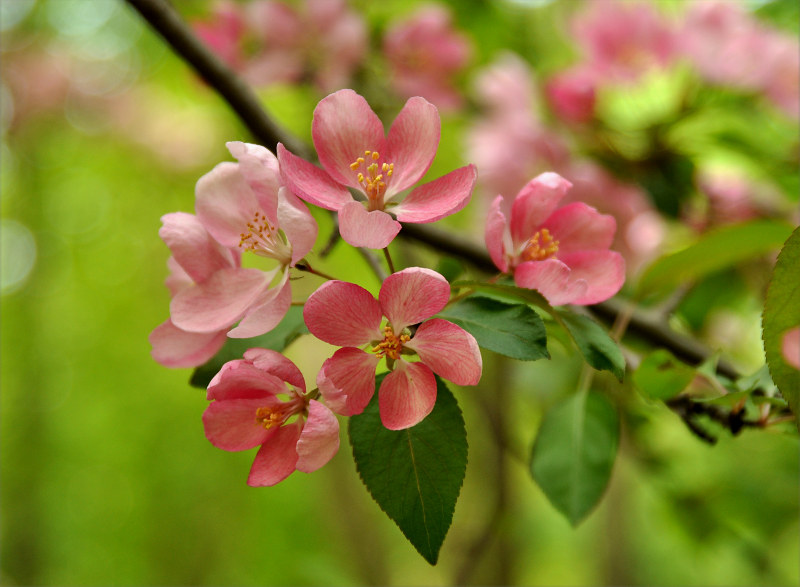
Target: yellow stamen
540	246
269	417
392	345
372	177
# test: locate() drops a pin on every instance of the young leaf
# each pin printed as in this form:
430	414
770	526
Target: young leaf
414	475
594	343
574	453
513	330
661	376
276	339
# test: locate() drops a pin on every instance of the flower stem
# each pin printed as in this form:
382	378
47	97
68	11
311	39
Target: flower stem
306	266
388	259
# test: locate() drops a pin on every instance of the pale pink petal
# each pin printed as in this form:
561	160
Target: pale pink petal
412	143
232	425
343	314
790	347
311	183
412	295
603	271
277	458
319	440
240	379
578	227
534	203
225	203
344	126
261	171
192	247
407	395
439	198
374	230
496	231
347	380
449	350
219	301
552	279
177	279
276	364
297	224
267	312
173	347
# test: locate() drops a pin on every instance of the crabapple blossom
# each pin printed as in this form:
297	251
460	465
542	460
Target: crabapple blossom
347	315
261	401
561	252
355	153
790	347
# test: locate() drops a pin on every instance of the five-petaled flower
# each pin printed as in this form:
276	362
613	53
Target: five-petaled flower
261	401
347	315
562	252
355	153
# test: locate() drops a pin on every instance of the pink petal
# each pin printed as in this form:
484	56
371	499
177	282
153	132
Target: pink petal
225	203
343	314
240	379
173	347
261	171
232	425
347	380
311	183
790	347
297	224
412	295
439	198
552	279
277	458
449	350
578	227
534	204
407	395
319	439
177	279
219	301
412	143
192	247
374	230
267	312
496	234
276	364
344	126
603	271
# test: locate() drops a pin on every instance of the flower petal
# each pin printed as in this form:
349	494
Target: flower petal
344	126
412	295
449	350
225	203
412	143
374	230
552	278
407	395
276	364
347	380
261	171
240	379
311	183
603	271
193	248
579	227
277	457
439	198
343	314
231	424
173	347
267	312
534	204
297	224
497	234
319	439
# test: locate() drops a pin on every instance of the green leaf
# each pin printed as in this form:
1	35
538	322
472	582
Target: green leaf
508	292
276	339
415	475
574	453
717	249
782	313
513	330
450	268
661	376
594	343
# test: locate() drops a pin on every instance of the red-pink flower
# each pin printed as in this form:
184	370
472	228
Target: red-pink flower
561	252
571	94
347	315
261	401
355	153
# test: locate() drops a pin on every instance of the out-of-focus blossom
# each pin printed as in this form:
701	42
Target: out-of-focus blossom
346	315
261	401
572	94
355	153
273	42
730	198
790	347
425	53
561	252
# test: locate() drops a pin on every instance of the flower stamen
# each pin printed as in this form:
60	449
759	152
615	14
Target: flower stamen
392	345
540	246
372	177
263	239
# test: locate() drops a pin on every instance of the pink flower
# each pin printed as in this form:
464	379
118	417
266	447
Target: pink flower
247	410
355	153
243	206
571	94
561	252
347	315
425	53
790	347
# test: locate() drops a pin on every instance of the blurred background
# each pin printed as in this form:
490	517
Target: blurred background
107	478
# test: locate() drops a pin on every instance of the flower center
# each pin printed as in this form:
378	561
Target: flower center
372	177
392	345
263	239
540	246
276	415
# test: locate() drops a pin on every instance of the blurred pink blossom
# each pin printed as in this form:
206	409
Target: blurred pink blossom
790	347
571	94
